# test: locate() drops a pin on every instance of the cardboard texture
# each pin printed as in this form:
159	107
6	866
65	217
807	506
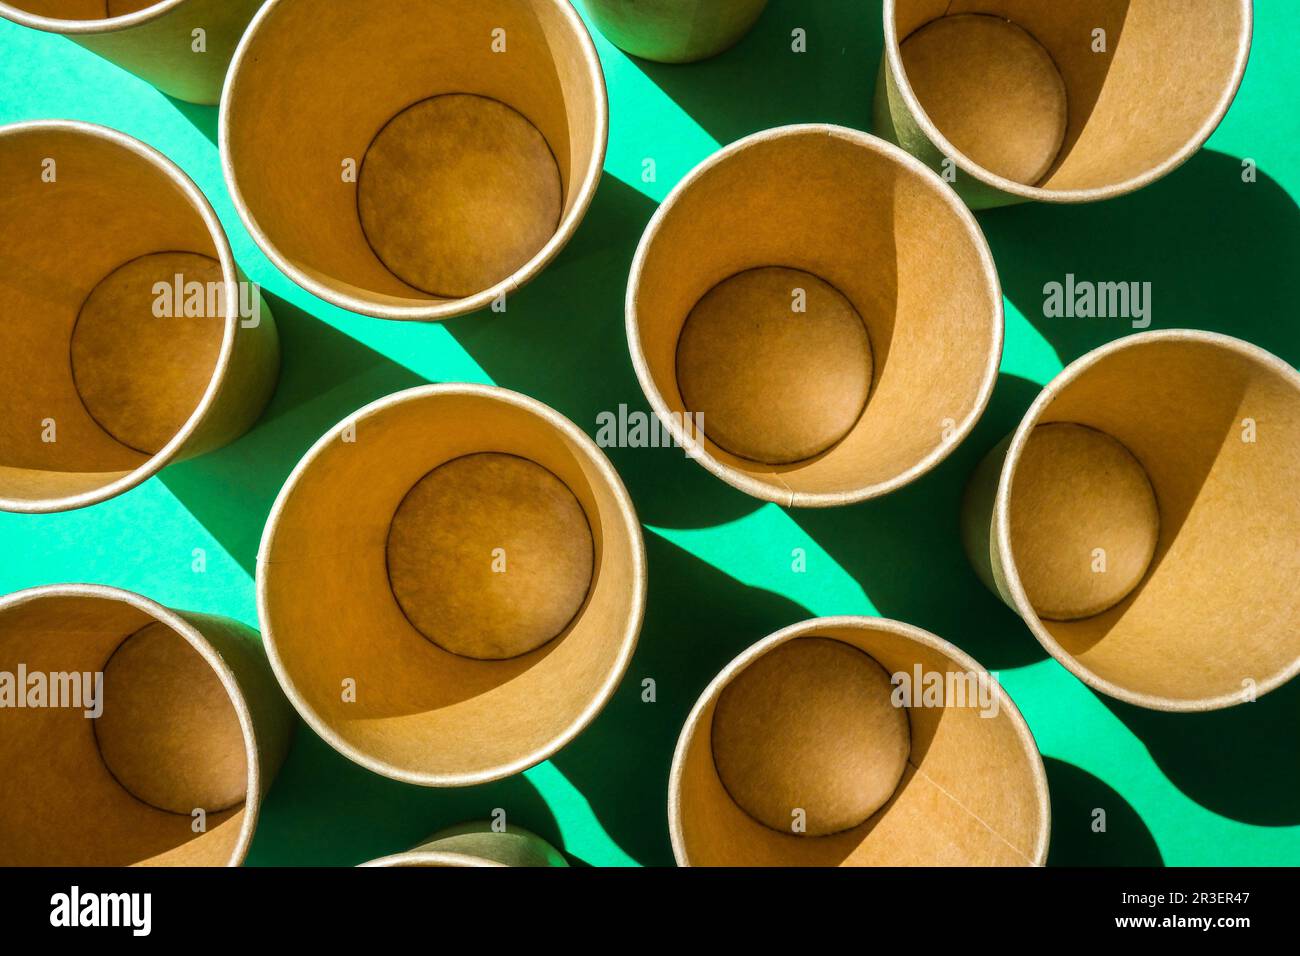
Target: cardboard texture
808	729
674	31
1215	424
337	121
973	791
478	844
173	684
154	40
99	392
977	83
775	385
514	569
888	236
361	674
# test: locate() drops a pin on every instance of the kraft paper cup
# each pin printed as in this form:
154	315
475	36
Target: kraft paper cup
822	308
806	721
340	118
111	367
183	47
191	720
1143	519
1070	101
478	844
675	31
451	584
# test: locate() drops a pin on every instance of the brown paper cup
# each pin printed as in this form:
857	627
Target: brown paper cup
1070	101
864	239
675	31
109	368
1210	618
477	844
191	720
158	40
422	543
338	120
972	790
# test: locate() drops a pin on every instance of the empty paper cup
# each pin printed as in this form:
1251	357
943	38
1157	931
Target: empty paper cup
675	31
414	160
1069	101
856	741
451	584
822	308
478	844
1143	520
131	733
183	47
130	339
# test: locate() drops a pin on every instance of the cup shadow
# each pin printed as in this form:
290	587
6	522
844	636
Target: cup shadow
1077	796
905	548
697	620
1219	253
739	92
562	340
307	819
203	118
1242	762
324	376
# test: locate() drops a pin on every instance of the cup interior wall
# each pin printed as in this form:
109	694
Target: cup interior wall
1163	74
330	608
1218	433
73	209
321	79
60	804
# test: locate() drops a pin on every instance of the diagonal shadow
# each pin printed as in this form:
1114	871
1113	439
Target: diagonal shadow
325	810
1242	762
697	620
562	340
1076	840
324	376
905	548
762	82
1220	255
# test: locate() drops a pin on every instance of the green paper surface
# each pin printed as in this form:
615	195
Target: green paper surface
1222	254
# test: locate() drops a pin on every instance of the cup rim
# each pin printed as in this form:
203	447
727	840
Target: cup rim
87	27
733	476
627	643
810	628
1002	516
178	624
894	59
435	310
230	276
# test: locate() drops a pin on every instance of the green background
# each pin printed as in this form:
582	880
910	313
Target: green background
1222	254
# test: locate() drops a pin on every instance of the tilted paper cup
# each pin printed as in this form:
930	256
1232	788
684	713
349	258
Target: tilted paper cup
487	117
478	844
1211	619
183	47
125	344
190	720
675	31
819	233
471	493
1069	101
972	791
